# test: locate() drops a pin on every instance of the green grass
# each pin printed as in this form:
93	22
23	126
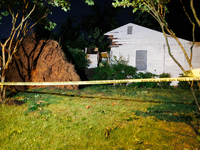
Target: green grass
68	119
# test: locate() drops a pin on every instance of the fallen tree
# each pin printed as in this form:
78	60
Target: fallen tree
25	14
40	61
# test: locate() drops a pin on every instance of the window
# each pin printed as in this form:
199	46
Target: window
129	29
141	60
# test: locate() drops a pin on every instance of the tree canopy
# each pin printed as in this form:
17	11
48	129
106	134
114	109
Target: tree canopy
75	34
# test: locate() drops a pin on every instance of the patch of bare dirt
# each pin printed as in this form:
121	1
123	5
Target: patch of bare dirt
12	102
42	61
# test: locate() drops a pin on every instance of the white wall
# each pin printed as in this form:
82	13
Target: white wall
93	60
158	59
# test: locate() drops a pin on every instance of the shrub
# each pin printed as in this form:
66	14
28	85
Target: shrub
142	75
104	72
79	58
117	69
186	85
165	84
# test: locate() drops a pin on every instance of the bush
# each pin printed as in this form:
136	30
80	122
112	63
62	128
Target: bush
186	85
117	69
142	75
165	84
104	72
79	58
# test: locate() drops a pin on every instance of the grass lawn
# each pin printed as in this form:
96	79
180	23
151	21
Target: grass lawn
101	117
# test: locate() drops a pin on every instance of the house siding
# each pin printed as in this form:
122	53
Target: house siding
158	59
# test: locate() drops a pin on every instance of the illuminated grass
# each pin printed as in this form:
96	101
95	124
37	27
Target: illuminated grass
58	121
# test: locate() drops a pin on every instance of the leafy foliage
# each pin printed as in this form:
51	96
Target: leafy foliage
90	31
117	69
87	33
146	20
9	7
186	84
69	34
89	2
183	85
165	84
79	58
143	75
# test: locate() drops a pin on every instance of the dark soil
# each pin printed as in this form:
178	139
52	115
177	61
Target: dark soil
11	102
41	61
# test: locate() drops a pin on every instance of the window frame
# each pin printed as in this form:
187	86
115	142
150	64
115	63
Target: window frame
141	60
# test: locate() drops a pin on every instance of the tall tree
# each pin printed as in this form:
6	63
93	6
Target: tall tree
69	32
89	31
94	25
103	17
25	15
146	20
76	34
158	9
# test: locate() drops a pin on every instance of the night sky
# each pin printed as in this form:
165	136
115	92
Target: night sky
177	18
78	9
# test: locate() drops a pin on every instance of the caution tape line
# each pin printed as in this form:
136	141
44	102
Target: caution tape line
104	81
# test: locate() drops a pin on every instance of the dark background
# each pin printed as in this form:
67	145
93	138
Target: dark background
176	18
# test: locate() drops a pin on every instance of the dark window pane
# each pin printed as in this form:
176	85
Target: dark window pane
141	60
129	30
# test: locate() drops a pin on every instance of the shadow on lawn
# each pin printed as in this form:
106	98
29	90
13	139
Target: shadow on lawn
174	113
166	110
60	93
16	102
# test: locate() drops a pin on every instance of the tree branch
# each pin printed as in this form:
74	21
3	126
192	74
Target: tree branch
27	16
179	43
169	50
193	42
195	98
193	30
194	12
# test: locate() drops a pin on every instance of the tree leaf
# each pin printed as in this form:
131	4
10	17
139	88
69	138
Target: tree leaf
134	10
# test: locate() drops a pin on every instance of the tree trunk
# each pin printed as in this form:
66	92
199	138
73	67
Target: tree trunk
3	71
195	98
2	91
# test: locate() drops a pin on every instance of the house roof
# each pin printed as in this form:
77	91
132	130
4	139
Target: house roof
130	24
138	32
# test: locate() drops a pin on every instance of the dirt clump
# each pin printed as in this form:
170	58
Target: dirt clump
41	61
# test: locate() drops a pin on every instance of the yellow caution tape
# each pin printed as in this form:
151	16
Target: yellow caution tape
194	75
104	81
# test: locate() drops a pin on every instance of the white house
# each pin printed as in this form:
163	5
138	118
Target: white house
146	50
92	56
95	57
